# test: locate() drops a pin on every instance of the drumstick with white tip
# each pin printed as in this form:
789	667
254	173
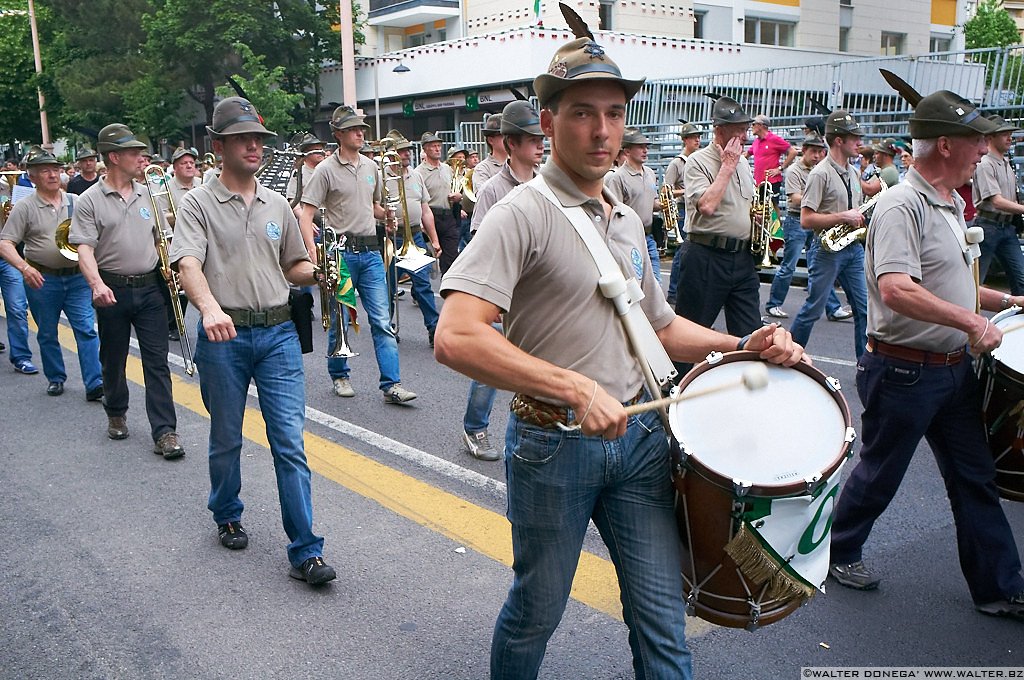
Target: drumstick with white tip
974	236
755	377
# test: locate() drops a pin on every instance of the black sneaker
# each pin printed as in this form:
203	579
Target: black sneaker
855	575
314	571
233	536
55	389
1011	607
430	337
95	394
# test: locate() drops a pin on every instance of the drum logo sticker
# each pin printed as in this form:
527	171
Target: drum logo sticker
145	213
638	263
273	231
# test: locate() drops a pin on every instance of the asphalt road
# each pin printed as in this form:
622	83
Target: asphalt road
112	567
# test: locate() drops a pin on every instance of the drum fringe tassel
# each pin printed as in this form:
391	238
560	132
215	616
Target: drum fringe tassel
761	567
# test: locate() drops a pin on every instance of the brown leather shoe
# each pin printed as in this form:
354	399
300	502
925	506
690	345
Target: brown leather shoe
117	427
168	446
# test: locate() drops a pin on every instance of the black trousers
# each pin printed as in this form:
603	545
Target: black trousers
903	403
145	310
448	235
710	280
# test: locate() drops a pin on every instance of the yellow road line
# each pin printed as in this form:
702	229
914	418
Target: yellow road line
468	524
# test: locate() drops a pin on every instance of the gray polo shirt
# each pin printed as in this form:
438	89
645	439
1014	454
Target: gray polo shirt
826	189
178	190
121	232
732	219
674	173
415	197
992	177
244	250
636	188
438	182
307	174
34	222
347	191
796	181
528	260
909	235
497	188
484	170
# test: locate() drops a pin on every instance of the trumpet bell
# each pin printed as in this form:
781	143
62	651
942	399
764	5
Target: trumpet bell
68	250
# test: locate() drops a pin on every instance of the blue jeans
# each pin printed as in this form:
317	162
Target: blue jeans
1001	242
12	286
848	266
652	250
479	403
270	356
367	272
797	238
72	295
559	481
422	291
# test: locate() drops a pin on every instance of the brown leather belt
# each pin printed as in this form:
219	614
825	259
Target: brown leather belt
916	356
247	318
548	416
50	271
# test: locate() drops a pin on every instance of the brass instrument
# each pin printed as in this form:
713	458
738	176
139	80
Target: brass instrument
328	254
154	175
760	224
669	214
68	250
462	179
209	162
11	176
840	236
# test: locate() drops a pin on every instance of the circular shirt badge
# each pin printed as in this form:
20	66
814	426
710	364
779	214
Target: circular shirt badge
273	231
638	263
145	213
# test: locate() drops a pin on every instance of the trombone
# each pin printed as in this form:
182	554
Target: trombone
154	174
328	253
761	224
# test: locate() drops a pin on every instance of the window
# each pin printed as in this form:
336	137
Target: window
940	44
844	39
605	15
698	24
892	43
846	3
765	32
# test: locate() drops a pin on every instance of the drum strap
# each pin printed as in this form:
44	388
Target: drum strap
626	295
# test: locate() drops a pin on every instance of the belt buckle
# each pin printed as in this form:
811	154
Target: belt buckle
258	318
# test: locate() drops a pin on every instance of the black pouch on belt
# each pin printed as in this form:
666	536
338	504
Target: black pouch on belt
302	316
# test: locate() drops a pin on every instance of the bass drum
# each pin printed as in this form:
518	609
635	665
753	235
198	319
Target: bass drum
755	510
1002	379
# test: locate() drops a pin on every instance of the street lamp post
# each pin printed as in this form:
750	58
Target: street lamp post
401	68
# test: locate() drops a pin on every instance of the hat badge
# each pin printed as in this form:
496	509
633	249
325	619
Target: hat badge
245	106
959	111
559	69
594	50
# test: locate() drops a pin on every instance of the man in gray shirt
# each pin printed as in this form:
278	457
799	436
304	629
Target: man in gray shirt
995	197
636	185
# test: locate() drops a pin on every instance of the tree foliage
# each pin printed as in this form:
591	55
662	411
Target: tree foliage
991	26
19	105
261	87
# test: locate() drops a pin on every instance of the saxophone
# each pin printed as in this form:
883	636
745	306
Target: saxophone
840	236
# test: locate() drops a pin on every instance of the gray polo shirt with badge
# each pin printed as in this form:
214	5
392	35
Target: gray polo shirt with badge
438	181
120	231
244	250
347	191
732	218
909	235
993	177
527	260
34	222
415	197
636	188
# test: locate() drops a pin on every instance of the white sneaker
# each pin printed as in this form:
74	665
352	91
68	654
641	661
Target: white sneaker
479	445
777	313
396	394
842	313
343	388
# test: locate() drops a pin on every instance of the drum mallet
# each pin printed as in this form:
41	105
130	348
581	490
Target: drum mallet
755	377
974	236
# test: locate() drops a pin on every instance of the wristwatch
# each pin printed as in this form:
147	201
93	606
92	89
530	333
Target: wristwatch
1005	302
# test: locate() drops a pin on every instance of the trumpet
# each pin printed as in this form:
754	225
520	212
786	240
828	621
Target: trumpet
839	236
328	253
760	225
669	213
154	174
